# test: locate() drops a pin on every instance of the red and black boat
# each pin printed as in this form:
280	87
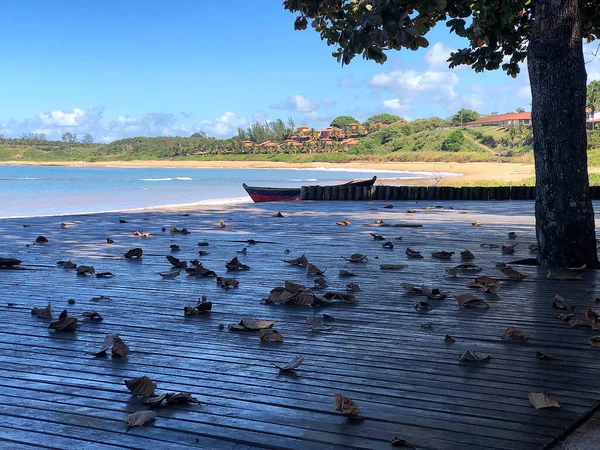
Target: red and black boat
271	194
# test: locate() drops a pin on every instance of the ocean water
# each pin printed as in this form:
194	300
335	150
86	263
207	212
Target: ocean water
49	190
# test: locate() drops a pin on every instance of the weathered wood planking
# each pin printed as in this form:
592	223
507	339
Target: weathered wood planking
388	357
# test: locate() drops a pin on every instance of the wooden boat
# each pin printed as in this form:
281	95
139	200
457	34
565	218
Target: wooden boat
271	194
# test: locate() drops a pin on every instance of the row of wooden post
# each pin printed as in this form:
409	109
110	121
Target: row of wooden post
381	192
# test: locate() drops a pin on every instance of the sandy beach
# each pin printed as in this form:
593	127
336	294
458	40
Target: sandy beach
469	172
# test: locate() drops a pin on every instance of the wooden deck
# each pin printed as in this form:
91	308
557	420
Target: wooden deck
388	357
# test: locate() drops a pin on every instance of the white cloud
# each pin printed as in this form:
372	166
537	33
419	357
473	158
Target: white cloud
62	118
524	93
297	103
346	82
396	105
438	55
225	125
409	84
473	101
326	101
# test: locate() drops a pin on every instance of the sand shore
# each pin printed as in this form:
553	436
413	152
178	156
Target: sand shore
469	172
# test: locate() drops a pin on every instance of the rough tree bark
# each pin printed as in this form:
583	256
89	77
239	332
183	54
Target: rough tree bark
565	225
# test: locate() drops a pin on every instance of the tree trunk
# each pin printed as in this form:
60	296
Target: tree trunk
564	214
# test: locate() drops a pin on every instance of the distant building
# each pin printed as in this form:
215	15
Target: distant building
503	120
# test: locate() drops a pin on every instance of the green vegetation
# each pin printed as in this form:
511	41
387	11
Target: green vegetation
454	142
593	96
343	121
465	116
384	118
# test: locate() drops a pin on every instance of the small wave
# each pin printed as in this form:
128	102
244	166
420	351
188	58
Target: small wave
168	179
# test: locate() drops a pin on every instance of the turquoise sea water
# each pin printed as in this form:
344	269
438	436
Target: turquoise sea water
46	190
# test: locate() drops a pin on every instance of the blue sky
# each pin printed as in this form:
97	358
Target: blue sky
127	68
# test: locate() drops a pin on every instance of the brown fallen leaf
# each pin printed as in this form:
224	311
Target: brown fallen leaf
278	214
155	400
270	334
509	249
490	246
320	283
512	235
64	323
593	318
449	339
122	221
466	255
134	253
316	324
9	263
377	237
566	277
94	316
105	275
169	275
202	253
45	313
203	244
423	306
388	206
539	401
140	418
41	239
243	251
347	407
533	248
300	261
577	323
251	325
343	223
200	308
565	317
346	274
595	341
560	303
175	247
100	298
388	245
180	398
471	301
397	442
328	317
543	356
200	271
235	264
434	293
442	255
68	264
411	288
356	258
292	365
108	342
222	224
393	266
470	355
143	386
477	224
175	262
311	269
85	270
291	286
346	298
512	273
413	254
119	348
109	241
353	287
140	234
227	282
515	334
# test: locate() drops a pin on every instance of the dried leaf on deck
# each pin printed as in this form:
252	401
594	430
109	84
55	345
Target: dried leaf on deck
393	266
347	407
328	317
203	244
175	262
134	253
442	255
251	325
99	298
353	287
105	275
377	237
155	400
449	339
200	271
560	303
227	282
269	334
241	252
533	248
540	400
301	261
343	223
292	365
316	324
544	356
477	224
222	224
119	348
423	306
512	273
69	265
109	241
94	316
471	301
140	234
388	245
453	272
180	398
397	442
595	341
346	298
64	323
509	249
45	313
122	221
486	284
470	355
278	214
388	206
515	334
311	269
577	323
169	275
140	418
108	342
466	255
143	386
200	308
235	264
356	258
202	253
41	239
512	235
411	288
85	270
320	283
175	247
413	254
346	274
9	263
565	317
593	318
434	293
566	277
294	286
489	246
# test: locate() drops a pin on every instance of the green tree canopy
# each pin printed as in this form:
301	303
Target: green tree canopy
520	110
498	35
593	96
384	118
343	121
465	116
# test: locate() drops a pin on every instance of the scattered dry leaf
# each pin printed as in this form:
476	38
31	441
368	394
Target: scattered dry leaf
269	334
64	323
449	339
489	246
413	254
356	258
577	323
345	274
512	273
140	418
175	247
143	386
278	214
543	356
301	261
466	255
471	301
200	308
353	287
134	253
105	275
343	223
45	313
533	248
140	234
227	282
85	270
566	277
423	306
393	266
292	365
94	316
539	401
347	407
470	355
9	263
377	237
41	239
119	348
560	303
434	293
515	334
235	264
509	249
397	442
311	269
320	283
346	298
595	341
251	325
442	255
200	271
477	224
512	235
175	262
388	245
388	206
169	275
316	324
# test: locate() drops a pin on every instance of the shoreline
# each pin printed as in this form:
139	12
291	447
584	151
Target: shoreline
467	172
